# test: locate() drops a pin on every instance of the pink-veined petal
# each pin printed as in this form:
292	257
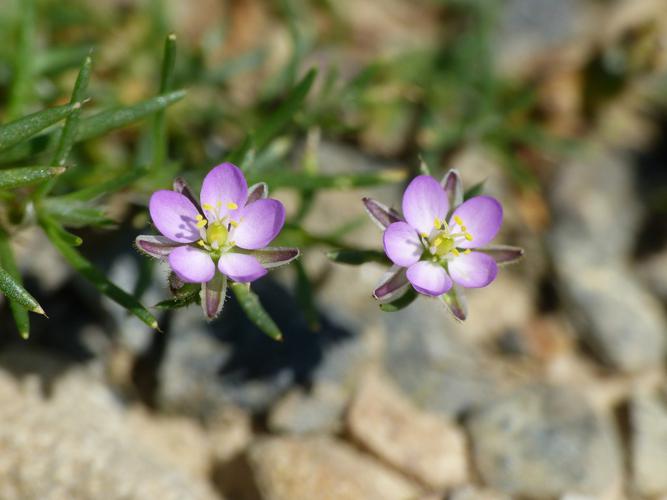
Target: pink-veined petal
191	265
429	278
473	270
482	217
424	200
402	244
223	192
258	224
241	267
174	216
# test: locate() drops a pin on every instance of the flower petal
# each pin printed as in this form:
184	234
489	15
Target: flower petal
453	186
191	265
223	188
473	270
429	278
381	214
271	257
392	285
174	216
482	217
402	244
157	247
257	192
241	267
424	200
213	295
258	224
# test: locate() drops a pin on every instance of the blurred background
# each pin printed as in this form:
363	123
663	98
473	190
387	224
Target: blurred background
553	388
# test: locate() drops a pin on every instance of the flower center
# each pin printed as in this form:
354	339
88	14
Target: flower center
442	242
217	233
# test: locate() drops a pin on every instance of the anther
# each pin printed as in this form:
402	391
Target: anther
455	252
468	236
232	206
437	223
201	223
467	251
458	220
207	206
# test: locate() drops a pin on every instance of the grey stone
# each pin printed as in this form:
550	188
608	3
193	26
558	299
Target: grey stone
649	443
79	444
301	411
434	366
543	441
207	366
595	225
531	31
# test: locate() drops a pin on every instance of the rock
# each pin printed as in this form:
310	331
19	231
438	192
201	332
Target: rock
532	32
614	313
434	366
78	444
543	441
208	366
307	411
297	468
475	493
649	443
229	433
421	445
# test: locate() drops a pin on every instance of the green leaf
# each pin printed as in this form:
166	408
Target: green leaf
305	296
286	111
20	300
308	182
159	125
71	126
401	303
106	121
112	185
473	191
24	53
250	304
92	274
178	302
14	132
357	257
74	213
11	178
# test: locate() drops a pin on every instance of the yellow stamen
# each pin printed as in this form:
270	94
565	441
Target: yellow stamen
199	216
437	223
202	223
201	243
458	220
464	229
467	251
234	223
207	206
468	236
218	204
455	252
437	241
424	235
232	206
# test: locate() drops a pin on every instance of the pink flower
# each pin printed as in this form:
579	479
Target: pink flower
441	240
229	232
